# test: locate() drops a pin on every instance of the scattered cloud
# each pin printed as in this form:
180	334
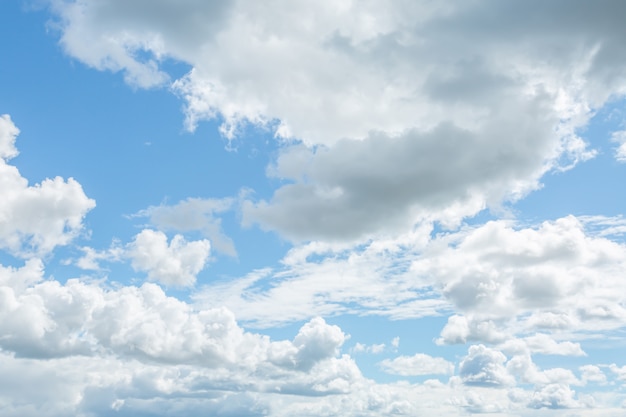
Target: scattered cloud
620	138
36	219
484	367
194	214
418	364
393	125
175	263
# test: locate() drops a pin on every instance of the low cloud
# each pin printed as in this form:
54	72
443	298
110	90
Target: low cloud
418	364
175	263
34	219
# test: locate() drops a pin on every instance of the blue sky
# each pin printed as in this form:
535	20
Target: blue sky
331	208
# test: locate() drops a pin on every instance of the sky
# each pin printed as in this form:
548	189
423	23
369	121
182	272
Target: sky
330	208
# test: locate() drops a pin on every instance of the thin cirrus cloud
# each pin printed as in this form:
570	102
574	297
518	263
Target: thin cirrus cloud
393	126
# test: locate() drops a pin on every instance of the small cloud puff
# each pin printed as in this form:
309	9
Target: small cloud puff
176	263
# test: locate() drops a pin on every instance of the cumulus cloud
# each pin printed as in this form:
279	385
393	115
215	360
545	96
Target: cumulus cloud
550	277
8	133
35	219
593	374
495	282
134	349
418	364
388	182
407	111
194	214
175	263
484	366
555	396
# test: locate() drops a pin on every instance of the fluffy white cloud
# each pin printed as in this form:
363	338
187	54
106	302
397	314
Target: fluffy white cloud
592	373
406	113
499	280
8	133
542	343
509	280
418	364
485	367
176	263
47	319
81	348
36	219
194	214
527	371
620	139
555	396
423	110
375	349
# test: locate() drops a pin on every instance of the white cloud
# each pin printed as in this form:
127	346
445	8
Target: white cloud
315	341
504	279
408	113
620	139
461	329
323	279
542	343
375	348
79	348
495	282
36	219
554	396
422	110
92	257
523	367
194	214
485	367
418	364
592	373
175	263
8	133
395	342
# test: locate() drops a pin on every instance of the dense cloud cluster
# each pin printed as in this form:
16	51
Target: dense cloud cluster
406	111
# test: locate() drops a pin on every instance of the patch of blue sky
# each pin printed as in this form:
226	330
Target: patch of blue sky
415	336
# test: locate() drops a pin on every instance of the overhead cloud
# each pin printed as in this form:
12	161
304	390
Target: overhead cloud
553	274
387	183
418	364
555	396
175	263
407	111
485	367
393	123
36	219
495	282
194	214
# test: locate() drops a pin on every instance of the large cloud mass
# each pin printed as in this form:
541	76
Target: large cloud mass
408	110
